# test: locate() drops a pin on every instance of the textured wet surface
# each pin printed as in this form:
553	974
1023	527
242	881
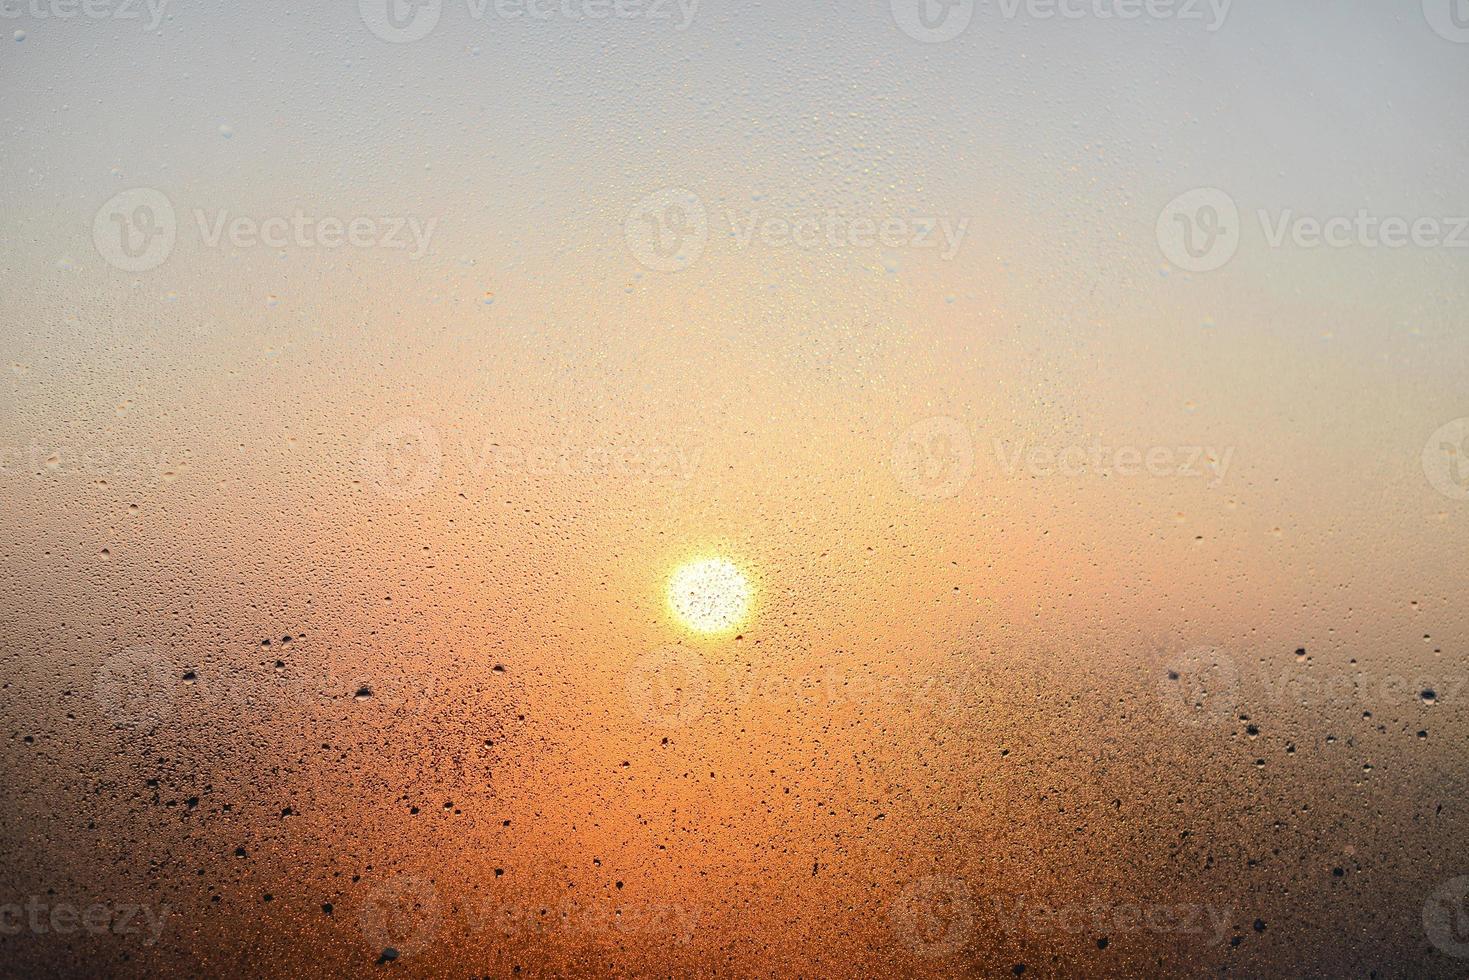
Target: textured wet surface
718	489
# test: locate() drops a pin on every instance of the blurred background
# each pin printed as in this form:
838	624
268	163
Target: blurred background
1080	385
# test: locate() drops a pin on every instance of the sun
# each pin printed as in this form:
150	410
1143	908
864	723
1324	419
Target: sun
709	595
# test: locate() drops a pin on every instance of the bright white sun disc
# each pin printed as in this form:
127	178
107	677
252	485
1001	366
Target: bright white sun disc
710	595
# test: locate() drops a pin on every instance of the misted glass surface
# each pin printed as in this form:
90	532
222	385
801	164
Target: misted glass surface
720	488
